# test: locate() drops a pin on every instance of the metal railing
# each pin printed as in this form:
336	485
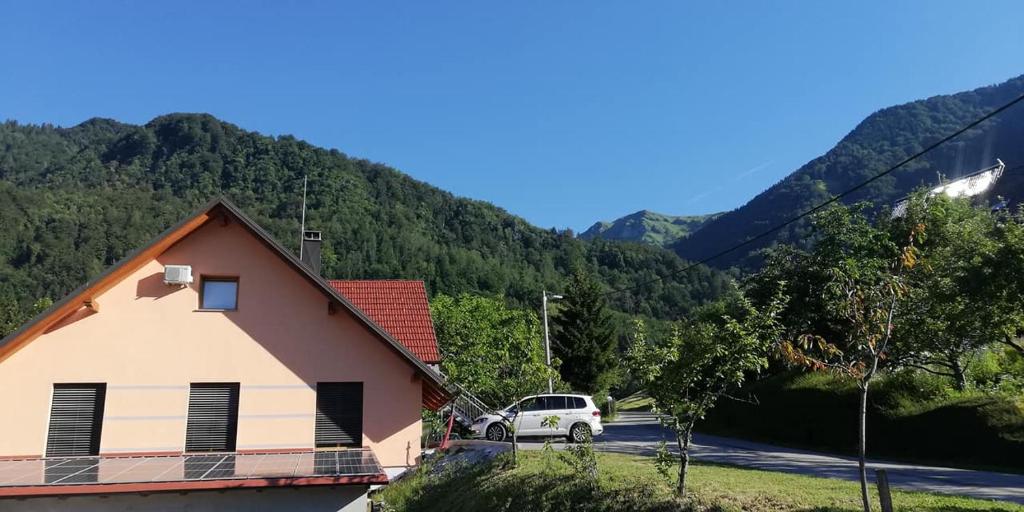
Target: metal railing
464	406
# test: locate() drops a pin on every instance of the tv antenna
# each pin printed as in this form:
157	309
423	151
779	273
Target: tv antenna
302	223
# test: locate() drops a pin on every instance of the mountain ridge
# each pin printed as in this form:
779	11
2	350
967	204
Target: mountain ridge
75	200
646	226
879	141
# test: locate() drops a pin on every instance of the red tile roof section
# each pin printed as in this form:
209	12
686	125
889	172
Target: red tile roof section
400	308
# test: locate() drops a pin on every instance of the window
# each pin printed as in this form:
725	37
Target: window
531	404
339	414
578	403
76	417
212	418
219	293
554	403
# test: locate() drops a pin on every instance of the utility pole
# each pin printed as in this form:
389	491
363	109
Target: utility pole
547	338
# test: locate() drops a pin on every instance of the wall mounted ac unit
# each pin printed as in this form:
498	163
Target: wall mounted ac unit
180	275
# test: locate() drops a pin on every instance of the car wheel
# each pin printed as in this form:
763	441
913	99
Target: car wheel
496	432
579	433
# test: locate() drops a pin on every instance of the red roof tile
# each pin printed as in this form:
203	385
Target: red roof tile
400	308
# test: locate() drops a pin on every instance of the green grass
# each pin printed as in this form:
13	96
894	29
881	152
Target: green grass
542	482
635	402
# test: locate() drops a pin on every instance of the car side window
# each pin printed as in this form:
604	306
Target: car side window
556	403
578	403
530	404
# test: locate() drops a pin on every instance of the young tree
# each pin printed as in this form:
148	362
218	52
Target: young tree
489	348
584	336
851	287
700	363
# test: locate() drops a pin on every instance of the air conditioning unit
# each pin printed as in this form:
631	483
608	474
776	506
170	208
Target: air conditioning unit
180	275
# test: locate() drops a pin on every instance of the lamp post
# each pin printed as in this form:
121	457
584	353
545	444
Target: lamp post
547	339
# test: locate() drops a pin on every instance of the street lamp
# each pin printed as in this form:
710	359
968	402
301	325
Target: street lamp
547	339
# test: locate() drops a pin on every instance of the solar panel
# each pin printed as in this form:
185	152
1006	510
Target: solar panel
70	471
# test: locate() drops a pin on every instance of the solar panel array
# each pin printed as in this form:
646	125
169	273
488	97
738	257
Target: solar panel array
186	468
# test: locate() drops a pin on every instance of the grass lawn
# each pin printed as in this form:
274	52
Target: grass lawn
542	482
635	402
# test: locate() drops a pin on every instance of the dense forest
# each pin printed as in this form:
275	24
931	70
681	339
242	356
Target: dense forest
75	200
880	141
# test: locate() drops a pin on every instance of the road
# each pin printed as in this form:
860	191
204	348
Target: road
640	433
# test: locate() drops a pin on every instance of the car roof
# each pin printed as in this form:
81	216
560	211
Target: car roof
559	394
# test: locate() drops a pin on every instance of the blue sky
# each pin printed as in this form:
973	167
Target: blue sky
562	112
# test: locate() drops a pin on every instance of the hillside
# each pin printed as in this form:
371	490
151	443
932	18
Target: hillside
880	141
648	227
75	200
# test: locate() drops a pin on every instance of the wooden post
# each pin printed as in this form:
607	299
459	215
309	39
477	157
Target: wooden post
884	496
448	431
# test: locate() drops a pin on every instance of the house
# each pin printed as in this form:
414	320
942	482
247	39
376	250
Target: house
214	370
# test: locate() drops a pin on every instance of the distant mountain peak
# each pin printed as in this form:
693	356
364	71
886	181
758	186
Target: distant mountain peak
648	227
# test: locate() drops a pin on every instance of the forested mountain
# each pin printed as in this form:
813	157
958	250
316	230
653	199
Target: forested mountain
880	141
75	200
648	227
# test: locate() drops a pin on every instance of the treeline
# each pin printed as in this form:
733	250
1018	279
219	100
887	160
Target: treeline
75	200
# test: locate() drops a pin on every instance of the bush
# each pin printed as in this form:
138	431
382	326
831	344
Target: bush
912	416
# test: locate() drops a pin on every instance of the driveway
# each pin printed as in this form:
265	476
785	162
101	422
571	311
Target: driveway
639	433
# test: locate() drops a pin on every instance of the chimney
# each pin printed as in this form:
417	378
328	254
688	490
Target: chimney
311	250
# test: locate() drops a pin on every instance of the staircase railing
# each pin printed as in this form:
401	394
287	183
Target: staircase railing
464	406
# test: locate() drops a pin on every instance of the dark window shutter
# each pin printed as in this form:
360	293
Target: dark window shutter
339	414
212	418
76	418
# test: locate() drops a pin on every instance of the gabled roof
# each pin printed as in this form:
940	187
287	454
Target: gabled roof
400	307
434	394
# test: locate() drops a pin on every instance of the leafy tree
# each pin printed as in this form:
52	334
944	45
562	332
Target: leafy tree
946	319
1001	276
704	360
852	285
489	348
584	336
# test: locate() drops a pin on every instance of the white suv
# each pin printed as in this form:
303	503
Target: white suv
578	418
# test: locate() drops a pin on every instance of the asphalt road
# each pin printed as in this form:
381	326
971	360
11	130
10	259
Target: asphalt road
640	433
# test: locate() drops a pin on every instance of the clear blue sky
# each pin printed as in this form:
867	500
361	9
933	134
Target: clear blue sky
562	112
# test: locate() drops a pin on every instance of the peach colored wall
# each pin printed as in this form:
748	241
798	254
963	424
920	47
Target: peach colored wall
148	342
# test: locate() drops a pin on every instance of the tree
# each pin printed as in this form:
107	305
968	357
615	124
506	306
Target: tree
851	285
1000	274
947	316
584	336
701	362
492	350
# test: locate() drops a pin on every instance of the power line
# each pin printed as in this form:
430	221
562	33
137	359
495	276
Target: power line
835	198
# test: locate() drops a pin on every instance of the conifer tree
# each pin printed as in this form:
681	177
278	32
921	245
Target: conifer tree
584	336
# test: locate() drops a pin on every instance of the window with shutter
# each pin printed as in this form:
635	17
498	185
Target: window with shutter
76	418
212	418
339	414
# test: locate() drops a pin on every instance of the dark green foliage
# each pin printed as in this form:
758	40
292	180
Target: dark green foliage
912	416
880	141
583	336
74	200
